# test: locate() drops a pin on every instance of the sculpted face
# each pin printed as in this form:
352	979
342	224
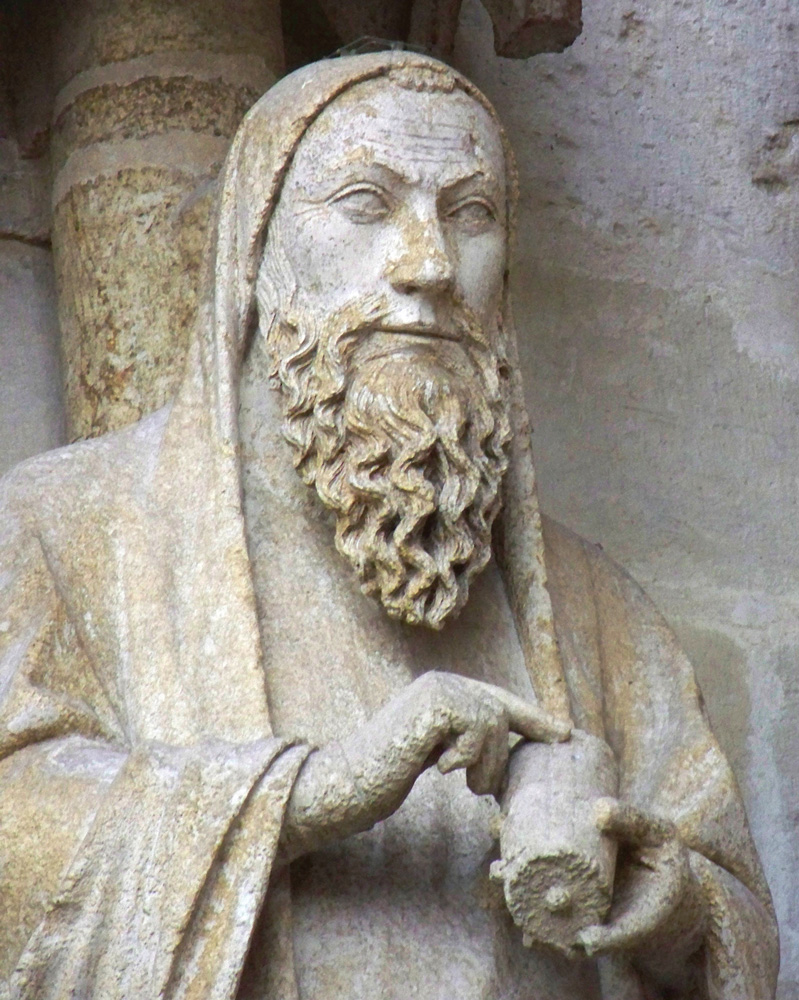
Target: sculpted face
380	294
399	194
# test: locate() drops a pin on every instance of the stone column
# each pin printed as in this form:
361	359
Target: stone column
149	95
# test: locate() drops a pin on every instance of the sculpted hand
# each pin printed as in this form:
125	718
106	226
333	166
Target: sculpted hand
439	718
462	723
656	898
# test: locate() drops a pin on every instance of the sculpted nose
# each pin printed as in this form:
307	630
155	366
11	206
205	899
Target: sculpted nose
424	265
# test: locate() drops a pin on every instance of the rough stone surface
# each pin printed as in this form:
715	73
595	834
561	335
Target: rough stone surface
660	368
115	32
142	122
24	201
130	251
534	26
657	301
248	736
31	397
24	182
150	106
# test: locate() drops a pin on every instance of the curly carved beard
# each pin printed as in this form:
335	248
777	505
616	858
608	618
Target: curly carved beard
404	438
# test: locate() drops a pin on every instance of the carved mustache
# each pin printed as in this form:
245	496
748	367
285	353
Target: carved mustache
347	328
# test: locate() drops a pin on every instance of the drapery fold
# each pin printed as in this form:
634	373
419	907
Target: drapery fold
161	898
631	684
147	861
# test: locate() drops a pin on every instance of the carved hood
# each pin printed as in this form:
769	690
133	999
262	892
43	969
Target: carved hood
250	187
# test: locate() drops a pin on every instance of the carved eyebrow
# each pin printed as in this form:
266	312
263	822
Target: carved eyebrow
395	176
348	170
366	163
478	175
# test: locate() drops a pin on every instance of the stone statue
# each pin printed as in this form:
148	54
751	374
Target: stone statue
265	653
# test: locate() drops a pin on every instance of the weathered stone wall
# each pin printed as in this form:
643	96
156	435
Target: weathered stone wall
31	408
657	301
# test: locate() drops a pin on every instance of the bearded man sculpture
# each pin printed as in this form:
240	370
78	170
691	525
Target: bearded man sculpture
224	693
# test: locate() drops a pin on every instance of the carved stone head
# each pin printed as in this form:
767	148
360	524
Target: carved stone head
380	296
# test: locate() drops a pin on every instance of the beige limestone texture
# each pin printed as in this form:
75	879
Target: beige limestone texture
128	278
558	877
95	33
247	736
665	423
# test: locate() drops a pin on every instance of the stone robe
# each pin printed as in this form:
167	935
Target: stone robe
142	786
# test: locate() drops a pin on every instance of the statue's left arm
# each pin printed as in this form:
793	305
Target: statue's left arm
688	865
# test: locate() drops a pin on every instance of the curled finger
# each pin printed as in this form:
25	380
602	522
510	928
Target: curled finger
647	912
631	825
464	752
486	775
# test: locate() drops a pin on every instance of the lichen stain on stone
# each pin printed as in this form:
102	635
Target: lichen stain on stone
631	25
776	165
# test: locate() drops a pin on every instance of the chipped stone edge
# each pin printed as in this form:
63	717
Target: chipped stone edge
181	151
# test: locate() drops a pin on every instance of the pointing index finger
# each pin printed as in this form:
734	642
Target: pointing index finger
529	720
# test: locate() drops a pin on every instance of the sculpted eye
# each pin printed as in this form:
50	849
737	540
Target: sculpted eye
362	204
474	214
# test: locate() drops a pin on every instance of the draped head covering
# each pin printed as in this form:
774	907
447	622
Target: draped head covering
250	188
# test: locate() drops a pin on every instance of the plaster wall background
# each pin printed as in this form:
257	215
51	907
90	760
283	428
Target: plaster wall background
656	298
657	301
31	408
31	399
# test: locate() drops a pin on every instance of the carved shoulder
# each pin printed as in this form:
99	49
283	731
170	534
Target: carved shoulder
80	477
619	653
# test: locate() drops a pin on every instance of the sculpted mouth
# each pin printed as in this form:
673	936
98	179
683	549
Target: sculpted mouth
419	330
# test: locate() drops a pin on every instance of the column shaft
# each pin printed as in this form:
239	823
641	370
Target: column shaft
150	93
